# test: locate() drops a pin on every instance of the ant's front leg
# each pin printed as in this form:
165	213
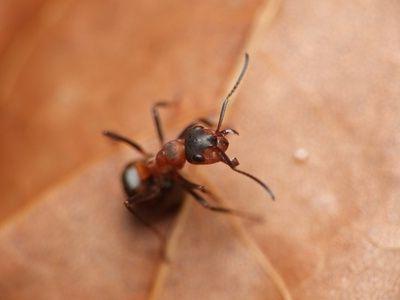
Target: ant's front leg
203	202
191	185
130	205
229	131
208	123
194	186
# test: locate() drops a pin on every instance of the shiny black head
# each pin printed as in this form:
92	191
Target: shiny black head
204	145
208	146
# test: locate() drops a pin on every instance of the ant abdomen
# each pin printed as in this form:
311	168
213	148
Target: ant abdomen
134	178
163	193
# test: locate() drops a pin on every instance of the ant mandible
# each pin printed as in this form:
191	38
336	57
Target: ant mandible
151	179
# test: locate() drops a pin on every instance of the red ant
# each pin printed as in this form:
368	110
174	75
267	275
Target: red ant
153	178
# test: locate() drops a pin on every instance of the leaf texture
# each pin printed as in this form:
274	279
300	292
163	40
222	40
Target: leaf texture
318	116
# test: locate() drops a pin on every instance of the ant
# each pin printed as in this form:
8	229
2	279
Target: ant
153	179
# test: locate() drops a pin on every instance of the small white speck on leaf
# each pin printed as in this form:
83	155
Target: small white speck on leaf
301	155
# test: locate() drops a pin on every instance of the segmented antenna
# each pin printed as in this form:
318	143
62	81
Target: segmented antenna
264	185
225	103
234	163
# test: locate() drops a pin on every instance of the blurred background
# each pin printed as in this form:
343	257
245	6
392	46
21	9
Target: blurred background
70	70
318	114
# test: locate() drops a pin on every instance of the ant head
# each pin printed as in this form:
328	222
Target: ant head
208	146
203	146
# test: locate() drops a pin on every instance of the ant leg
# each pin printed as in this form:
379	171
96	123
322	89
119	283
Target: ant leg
195	186
153	229
206	121
191	185
157	121
159	235
228	131
153	193
203	202
119	138
209	123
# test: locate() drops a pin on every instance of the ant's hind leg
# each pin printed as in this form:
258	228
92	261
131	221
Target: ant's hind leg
119	138
154	230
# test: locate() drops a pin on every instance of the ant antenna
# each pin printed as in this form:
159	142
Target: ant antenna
234	163
271	194
225	103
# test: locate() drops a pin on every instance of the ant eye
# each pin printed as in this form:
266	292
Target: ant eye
198	158
213	140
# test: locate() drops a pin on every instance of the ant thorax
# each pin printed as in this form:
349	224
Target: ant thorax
171	156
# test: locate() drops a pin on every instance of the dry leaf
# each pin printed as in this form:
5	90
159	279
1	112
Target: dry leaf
78	67
323	78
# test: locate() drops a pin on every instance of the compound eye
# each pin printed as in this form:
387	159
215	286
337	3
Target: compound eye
213	140
198	158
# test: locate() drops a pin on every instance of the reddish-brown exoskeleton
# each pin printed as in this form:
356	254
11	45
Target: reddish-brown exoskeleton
152	178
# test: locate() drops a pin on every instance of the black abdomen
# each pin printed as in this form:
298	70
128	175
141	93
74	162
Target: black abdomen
132	181
141	190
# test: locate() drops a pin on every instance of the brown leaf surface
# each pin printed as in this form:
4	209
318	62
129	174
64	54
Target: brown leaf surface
323	77
75	68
